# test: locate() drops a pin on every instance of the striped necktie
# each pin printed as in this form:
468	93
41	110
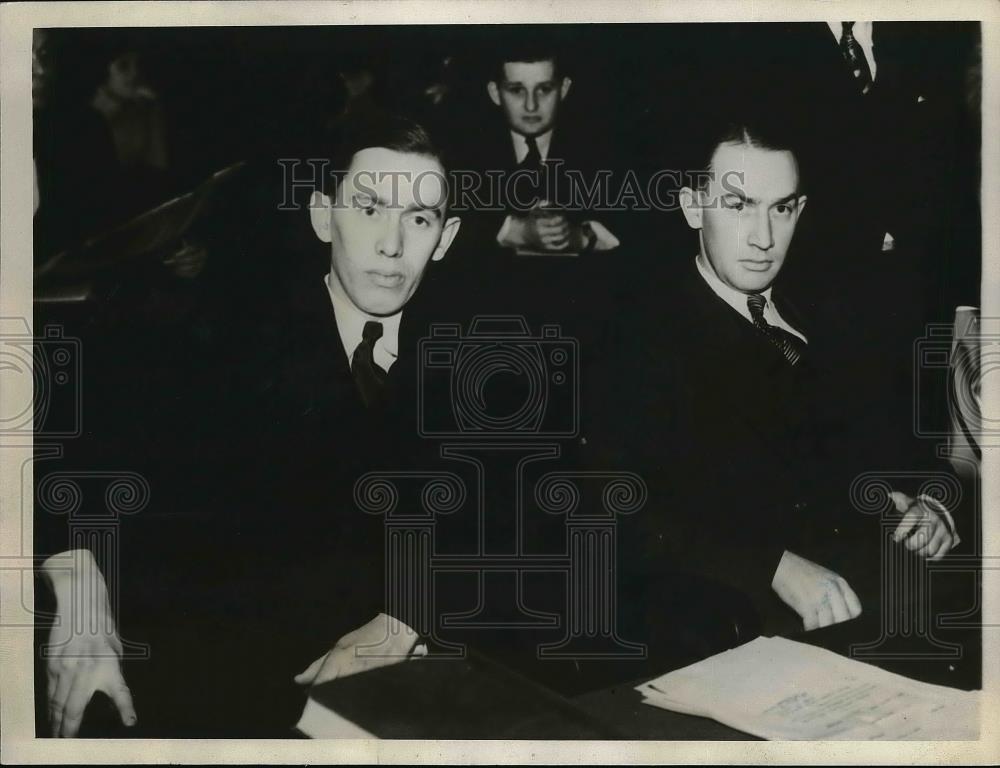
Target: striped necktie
788	344
855	57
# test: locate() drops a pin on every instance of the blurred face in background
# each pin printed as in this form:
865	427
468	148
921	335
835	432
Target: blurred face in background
41	67
124	76
529	94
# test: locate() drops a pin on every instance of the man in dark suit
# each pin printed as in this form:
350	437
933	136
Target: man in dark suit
738	418
338	399
269	561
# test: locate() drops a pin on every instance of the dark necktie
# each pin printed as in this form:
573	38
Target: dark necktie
369	377
855	57
533	160
788	344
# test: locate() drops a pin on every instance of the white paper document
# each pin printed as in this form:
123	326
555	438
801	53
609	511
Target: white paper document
318	722
780	689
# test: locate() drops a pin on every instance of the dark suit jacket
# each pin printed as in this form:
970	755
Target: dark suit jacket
272	561
745	456
900	159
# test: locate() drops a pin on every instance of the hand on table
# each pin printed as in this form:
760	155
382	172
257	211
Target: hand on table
379	643
86	655
820	596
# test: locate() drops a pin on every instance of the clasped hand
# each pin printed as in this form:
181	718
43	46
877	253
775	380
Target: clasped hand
923	529
548	229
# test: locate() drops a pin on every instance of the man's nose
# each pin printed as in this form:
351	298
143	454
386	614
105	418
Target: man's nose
760	233
390	241
530	102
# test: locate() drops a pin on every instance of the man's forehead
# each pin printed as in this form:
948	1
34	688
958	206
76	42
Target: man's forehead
522	71
759	173
385	162
406	179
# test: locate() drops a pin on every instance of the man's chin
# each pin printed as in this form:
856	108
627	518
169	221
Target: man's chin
532	129
756	281
380	306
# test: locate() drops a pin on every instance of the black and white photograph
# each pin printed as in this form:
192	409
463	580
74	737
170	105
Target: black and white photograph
499	382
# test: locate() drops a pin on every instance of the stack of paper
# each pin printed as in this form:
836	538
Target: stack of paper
318	722
779	689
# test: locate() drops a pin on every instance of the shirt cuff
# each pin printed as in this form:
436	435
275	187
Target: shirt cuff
605	240
504	231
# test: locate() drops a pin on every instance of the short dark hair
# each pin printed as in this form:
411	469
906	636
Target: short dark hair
754	121
381	129
368	130
530	48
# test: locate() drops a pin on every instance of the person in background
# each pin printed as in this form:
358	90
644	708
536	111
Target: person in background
135	117
76	176
528	86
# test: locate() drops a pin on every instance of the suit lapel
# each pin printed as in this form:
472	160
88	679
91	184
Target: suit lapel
737	373
322	375
721	330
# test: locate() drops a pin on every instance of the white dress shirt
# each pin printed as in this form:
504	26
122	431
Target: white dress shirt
351	324
862	31
738	300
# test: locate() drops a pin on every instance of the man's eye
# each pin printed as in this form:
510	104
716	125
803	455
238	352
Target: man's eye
545	90
421	221
733	205
783	210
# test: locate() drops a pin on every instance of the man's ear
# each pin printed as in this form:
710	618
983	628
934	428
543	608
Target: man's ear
319	215
448	233
691	207
802	204
493	91
564	88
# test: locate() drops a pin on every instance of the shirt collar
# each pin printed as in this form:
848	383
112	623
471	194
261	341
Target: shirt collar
862	30
736	299
351	323
544	140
